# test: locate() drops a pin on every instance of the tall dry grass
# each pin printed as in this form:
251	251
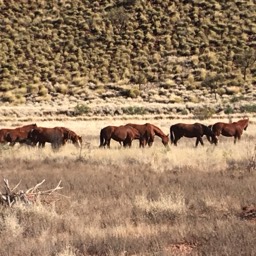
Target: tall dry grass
154	201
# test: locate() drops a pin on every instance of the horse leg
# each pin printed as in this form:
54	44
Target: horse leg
107	142
236	137
142	143
150	142
12	143
176	140
41	144
199	139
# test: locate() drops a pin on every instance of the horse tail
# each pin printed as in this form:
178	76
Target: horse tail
102	140
172	134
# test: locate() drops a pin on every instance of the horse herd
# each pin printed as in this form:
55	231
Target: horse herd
145	133
34	135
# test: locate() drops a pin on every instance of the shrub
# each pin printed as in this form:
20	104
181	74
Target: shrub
61	88
132	93
251	108
43	91
81	109
203	113
228	110
33	88
168	83
134	110
233	90
5	86
236	99
8	97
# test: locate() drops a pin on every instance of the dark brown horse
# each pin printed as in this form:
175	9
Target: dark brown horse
19	134
190	131
148	132
125	134
234	129
69	135
41	135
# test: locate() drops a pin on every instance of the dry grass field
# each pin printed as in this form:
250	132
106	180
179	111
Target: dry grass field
153	201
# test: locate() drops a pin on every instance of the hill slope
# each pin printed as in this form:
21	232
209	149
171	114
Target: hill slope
50	47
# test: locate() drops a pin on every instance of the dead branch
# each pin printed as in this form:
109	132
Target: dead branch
30	196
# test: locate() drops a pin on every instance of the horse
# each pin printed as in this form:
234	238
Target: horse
190	131
19	134
125	134
147	132
71	135
3	133
41	135
234	129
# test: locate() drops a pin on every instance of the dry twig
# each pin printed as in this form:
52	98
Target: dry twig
30	196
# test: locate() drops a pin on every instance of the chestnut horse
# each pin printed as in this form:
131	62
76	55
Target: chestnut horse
69	135
234	129
148	132
125	134
41	135
19	134
190	131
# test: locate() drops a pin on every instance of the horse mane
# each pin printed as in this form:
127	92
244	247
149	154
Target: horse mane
157	130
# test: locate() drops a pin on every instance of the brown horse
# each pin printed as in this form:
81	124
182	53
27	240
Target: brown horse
19	134
125	134
41	135
148	132
190	131
3	133
234	129
69	135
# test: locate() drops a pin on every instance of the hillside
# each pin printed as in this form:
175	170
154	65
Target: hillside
86	49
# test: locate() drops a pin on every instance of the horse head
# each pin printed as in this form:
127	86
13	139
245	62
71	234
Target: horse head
165	139
77	140
246	123
211	137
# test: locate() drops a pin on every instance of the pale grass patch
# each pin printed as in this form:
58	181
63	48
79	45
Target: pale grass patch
219	204
174	202
12	226
123	231
67	251
40	209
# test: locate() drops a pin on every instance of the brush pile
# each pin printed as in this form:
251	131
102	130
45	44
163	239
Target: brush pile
32	195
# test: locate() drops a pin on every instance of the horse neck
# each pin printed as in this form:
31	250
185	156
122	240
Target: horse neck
207	130
243	123
158	132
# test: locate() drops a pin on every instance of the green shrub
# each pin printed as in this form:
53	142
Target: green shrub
228	110
203	113
81	109
134	110
132	93
251	108
236	99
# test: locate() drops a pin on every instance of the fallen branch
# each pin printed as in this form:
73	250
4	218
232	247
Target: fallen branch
30	196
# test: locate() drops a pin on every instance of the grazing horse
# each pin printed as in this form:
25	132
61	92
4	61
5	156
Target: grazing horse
41	135
19	134
147	132
190	131
234	129
121	133
71	135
